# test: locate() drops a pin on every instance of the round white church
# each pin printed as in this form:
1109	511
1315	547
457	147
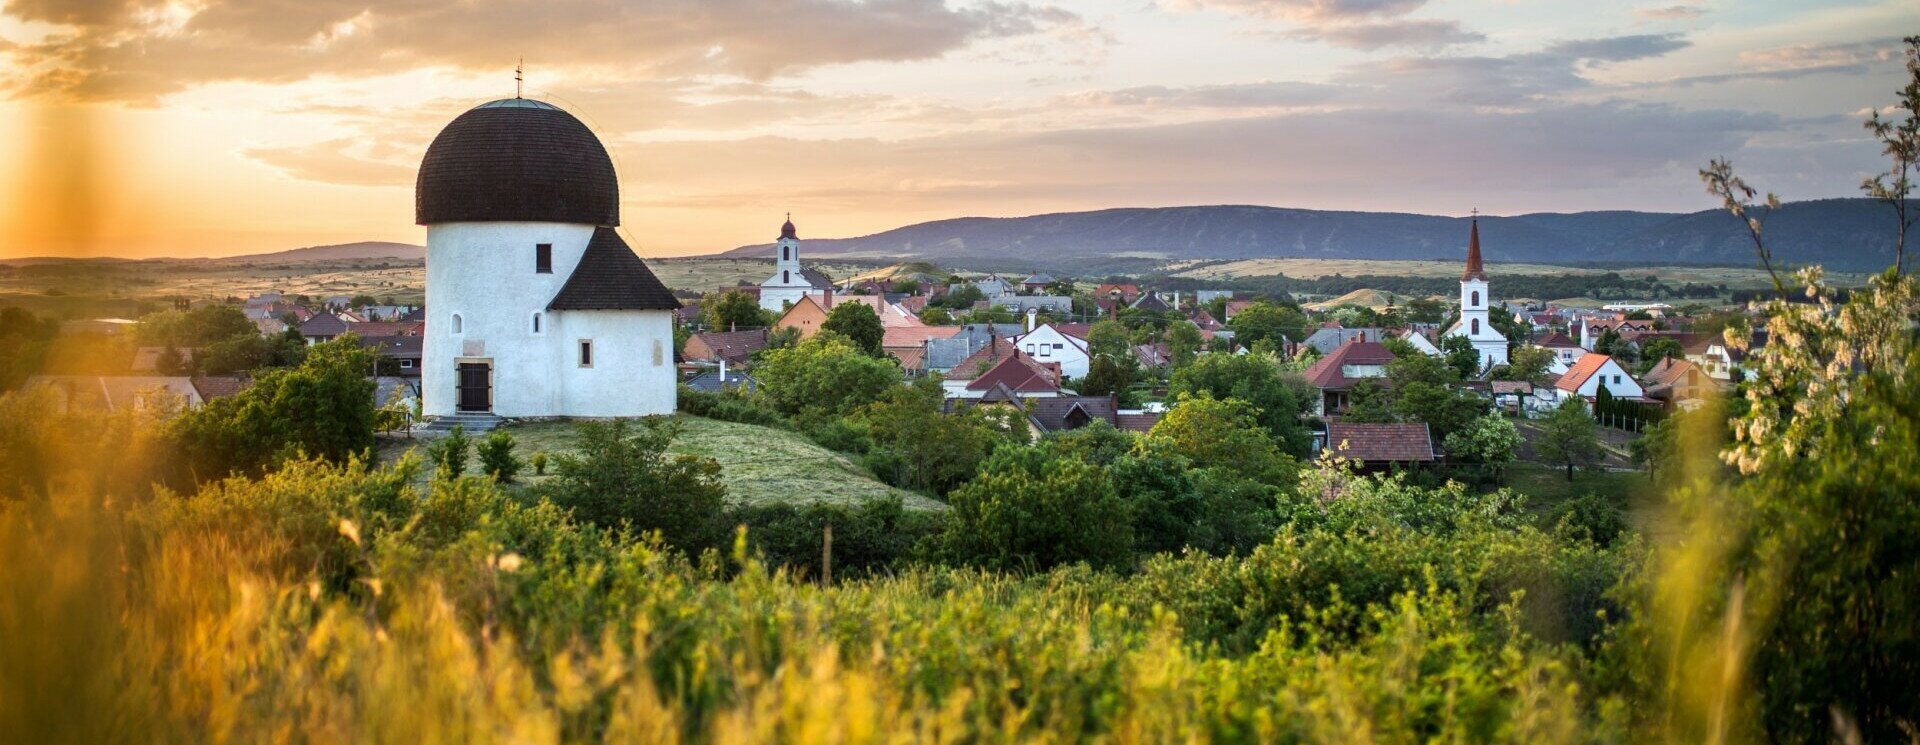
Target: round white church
535	306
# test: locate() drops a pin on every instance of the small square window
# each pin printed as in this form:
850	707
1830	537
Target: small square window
586	353
406	364
543	258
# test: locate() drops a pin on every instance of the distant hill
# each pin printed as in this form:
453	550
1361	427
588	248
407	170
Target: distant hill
341	252
1842	234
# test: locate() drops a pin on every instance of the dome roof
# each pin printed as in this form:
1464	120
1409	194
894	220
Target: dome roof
517	160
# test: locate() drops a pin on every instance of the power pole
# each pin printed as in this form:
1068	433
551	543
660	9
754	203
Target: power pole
826	555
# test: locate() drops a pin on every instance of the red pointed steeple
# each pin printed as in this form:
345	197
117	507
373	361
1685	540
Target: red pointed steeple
1474	270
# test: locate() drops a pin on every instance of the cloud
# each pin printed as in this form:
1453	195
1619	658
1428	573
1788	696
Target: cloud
1618	48
1810	56
1669	13
1356	24
141	49
1244	95
331	162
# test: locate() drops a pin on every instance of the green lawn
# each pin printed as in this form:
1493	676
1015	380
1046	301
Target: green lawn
1546	487
760	465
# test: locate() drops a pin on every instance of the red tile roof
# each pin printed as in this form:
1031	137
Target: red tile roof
1554	339
1140	422
1020	373
1326	372
1380	443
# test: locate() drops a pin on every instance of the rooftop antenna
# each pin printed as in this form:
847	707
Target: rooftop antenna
518	68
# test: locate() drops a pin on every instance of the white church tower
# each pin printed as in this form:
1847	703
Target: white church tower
789	282
1474	299
535	305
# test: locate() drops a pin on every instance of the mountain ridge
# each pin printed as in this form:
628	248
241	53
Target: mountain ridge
1852	234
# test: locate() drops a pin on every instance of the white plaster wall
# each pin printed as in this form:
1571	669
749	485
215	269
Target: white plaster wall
1627	387
1074	362
485	273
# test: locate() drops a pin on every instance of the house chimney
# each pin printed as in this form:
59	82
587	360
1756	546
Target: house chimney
826	302
1176	299
723	373
1033	319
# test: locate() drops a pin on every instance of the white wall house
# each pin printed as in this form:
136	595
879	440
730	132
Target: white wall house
536	307
1474	323
1595	371
1419	342
1049	344
789	282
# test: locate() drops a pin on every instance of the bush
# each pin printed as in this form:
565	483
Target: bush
496	457
324	409
622	477
728	407
868	538
1027	511
1591	516
539	463
449	454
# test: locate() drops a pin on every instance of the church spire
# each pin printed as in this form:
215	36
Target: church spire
1474	270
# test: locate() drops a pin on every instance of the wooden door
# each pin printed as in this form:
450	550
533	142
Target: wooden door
476	386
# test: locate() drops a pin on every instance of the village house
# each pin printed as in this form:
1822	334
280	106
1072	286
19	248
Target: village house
1378	447
1123	294
1679	383
1001	363
1593	372
1565	350
1719	359
908	344
811	310
1048	343
734	347
1592	329
1335	374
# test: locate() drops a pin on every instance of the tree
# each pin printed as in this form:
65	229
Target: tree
324	409
1109	337
859	324
1027	511
1183	343
1176	506
1369	403
916	446
497	458
622	477
1489	441
362	300
1445	409
906	286
1901	141
1662	348
1425	310
733	310
1461	355
963	297
1256	380
1108	376
1264	321
822	376
1571	437
1528	362
1217	433
935	316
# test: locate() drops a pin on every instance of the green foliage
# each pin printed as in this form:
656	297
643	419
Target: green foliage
859	325
623	478
935	316
1369	403
733	310
1027	511
1107	375
1460	354
1183	343
1527	362
202	326
1488	443
449	454
730	405
1215	433
1661	348
916	446
324	409
824	376
869	538
1591	516
1177	507
497	458
1111	338
1257	381
1263	321
1571	437
539	463
961	298
24	338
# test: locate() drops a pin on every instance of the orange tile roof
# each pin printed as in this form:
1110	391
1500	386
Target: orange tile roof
1582	369
915	336
1380	443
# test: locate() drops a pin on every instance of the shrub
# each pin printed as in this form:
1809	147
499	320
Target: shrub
622	477
496	457
449	454
1027	511
1591	516
324	408
868	538
728	407
539	463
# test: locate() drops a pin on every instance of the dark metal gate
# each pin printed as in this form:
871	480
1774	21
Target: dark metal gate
476	386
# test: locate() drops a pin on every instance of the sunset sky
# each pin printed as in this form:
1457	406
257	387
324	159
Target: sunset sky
218	127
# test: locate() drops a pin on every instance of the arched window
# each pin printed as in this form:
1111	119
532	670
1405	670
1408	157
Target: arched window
783	253
536	323
1476	327
1476	300
784	278
456	323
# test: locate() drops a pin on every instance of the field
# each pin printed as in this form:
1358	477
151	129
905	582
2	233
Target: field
707	274
1735	278
760	465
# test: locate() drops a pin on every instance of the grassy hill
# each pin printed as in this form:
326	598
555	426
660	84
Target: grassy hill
759	464
1375	299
